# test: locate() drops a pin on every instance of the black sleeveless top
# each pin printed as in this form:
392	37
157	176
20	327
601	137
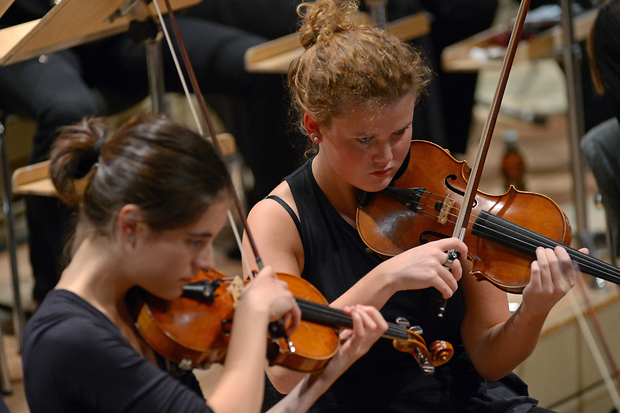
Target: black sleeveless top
385	379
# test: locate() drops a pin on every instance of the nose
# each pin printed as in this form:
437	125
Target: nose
382	153
204	260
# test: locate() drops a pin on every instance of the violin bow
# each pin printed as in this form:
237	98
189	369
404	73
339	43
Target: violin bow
276	328
473	182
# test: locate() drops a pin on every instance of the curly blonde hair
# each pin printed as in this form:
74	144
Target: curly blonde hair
347	63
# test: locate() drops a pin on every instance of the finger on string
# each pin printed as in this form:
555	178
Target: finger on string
574	273
565	274
535	279
543	265
296	316
292	321
555	274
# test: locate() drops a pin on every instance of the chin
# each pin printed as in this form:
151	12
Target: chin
171	294
376	186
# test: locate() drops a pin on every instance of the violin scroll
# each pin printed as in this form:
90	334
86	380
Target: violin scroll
440	352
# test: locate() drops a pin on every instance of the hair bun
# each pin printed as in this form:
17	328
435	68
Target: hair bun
323	18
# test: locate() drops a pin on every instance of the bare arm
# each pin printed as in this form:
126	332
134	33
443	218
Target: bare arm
497	341
264	299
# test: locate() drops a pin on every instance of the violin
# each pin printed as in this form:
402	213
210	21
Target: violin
194	330
502	233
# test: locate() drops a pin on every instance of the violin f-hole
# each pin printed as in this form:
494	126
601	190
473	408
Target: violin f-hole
455	190
429	236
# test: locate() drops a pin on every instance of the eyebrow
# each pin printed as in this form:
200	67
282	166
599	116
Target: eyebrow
206	234
366	134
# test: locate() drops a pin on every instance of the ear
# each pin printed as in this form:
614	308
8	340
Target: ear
128	218
312	127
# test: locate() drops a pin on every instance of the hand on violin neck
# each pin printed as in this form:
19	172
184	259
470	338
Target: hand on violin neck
553	274
368	326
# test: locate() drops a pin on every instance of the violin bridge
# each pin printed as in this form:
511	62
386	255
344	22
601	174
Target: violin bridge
234	289
448	203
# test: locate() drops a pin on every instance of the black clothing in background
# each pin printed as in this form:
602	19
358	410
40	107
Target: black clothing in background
106	76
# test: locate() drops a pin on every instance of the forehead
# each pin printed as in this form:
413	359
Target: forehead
365	117
215	216
210	223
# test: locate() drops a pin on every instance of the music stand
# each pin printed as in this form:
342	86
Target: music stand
71	23
276	55
4	5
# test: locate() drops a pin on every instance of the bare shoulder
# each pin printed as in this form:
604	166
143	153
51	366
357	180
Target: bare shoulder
275	232
271	213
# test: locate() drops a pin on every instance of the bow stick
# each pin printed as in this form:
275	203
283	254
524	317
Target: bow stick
276	328
460	226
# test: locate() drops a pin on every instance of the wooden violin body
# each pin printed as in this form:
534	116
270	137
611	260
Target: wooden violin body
194	331
503	231
187	331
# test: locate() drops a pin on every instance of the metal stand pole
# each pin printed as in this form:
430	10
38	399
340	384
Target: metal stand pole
19	319
155	64
571	54
144	29
377	12
18	314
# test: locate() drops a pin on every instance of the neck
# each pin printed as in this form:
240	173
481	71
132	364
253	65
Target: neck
94	275
341	194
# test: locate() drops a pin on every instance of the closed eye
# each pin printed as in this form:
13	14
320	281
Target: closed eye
197	243
402	131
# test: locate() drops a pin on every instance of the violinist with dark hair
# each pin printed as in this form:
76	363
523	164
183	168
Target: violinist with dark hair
61	88
155	199
355	90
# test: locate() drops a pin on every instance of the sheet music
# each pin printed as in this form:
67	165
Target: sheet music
69	23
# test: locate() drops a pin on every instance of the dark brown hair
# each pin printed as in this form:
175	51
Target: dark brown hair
170	172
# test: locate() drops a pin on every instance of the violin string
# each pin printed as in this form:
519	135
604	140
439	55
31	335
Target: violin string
587	263
516	233
205	112
177	65
325	312
199	127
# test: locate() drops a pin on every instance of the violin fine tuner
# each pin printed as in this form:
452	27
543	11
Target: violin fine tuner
277	333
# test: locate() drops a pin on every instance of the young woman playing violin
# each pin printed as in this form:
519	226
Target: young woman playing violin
156	198
355	88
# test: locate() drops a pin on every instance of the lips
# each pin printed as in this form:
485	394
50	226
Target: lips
382	173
